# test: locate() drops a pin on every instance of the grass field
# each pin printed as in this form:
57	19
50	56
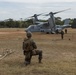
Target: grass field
59	56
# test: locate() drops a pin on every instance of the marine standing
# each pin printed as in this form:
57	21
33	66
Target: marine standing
62	35
66	31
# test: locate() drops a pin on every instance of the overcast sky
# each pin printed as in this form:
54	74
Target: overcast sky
17	9
38	1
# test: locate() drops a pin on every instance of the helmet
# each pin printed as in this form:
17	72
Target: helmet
29	34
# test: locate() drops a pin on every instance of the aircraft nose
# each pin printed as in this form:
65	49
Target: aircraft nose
26	30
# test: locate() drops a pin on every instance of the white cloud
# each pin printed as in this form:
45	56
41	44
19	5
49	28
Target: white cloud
38	1
2	12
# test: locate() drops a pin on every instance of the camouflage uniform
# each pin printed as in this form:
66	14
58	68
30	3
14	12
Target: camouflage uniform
66	31
62	34
29	52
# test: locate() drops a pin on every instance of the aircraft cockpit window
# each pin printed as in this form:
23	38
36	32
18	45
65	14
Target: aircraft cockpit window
36	23
31	27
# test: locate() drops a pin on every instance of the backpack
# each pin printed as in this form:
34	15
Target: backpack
27	45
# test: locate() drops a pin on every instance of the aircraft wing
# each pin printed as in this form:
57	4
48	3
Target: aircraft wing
66	26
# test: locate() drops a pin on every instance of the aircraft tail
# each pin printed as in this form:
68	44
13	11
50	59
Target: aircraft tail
74	23
67	21
66	24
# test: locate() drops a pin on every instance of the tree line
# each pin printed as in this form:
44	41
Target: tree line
10	23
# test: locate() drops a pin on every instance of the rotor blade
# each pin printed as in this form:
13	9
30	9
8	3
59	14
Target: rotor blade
46	15
34	15
29	17
39	14
61	11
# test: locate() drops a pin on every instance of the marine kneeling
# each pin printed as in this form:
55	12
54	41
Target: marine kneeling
30	49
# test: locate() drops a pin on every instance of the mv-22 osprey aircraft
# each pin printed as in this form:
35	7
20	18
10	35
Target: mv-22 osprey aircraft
47	27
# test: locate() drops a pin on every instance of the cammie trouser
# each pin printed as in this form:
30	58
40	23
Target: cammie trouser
29	55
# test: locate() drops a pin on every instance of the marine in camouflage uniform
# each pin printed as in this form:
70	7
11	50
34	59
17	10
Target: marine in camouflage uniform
62	34
66	31
30	49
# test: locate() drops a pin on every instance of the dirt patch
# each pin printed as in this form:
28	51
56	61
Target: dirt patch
12	32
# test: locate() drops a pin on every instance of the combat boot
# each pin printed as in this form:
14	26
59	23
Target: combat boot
39	61
27	63
40	56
